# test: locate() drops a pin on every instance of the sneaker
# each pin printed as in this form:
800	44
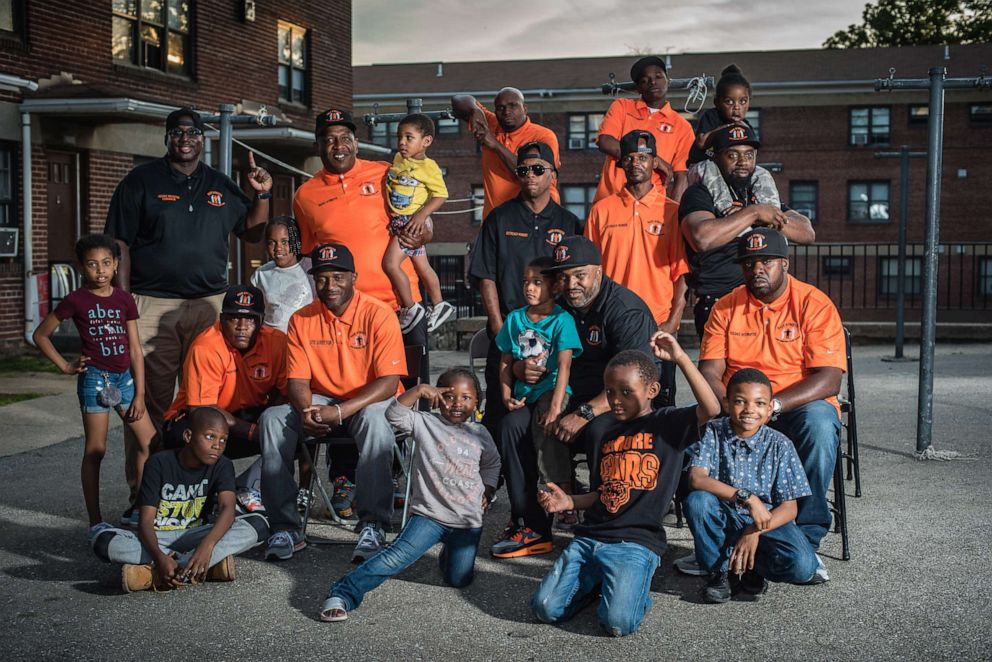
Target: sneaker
250	500
282	544
223	571
343	500
141	577
717	589
688	565
97	529
410	317
370	541
567	520
129	517
522	542
333	611
438	315
302	500
820	576
749	586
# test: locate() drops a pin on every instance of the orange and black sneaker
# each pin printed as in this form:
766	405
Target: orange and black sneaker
522	541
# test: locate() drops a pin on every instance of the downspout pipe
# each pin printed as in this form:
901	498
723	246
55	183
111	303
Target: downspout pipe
31	296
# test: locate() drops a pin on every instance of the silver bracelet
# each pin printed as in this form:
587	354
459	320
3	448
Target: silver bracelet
340	420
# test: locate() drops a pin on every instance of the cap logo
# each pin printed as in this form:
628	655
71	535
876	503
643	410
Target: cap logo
244	299
756	242
334	116
327	253
561	254
215	198
737	133
358	340
554	236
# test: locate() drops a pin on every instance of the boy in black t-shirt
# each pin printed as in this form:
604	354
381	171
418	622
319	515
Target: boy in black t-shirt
174	544
639	451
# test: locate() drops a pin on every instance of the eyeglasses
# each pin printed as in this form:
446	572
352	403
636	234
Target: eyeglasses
176	134
537	169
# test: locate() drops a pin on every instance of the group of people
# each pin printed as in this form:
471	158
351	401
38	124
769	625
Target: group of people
582	316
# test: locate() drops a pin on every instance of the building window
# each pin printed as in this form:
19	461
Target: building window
11	18
478	200
753	117
803	197
7	208
888	276
919	114
153	34
447	127
837	265
384	134
869	126
582	130
868	202
292	63
578	199
985	277
980	113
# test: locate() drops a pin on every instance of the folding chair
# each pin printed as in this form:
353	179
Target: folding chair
847	406
339	437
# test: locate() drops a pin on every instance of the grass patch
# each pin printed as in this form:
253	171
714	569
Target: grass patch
11	398
27	363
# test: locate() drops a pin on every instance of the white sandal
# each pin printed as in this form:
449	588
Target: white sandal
333	610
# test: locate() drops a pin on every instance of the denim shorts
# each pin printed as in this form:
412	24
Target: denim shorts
399	221
93	381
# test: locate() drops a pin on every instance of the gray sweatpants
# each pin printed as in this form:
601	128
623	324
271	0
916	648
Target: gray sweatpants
282	431
762	185
123	546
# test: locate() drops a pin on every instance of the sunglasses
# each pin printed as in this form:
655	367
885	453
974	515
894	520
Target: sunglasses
537	169
180	133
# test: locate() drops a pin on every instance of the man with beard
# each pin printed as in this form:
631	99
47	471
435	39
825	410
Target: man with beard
710	237
792	332
501	135
173	218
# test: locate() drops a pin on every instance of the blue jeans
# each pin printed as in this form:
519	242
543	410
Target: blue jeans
814	430
457	559
783	555
89	384
624	571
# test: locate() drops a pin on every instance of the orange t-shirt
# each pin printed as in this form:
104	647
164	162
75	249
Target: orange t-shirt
498	182
350	209
341	355
641	245
672	133
784	339
217	374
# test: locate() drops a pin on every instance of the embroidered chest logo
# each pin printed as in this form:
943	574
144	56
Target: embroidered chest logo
788	332
368	188
358	340
624	468
595	336
167	197
244	299
260	371
215	198
554	236
665	127
653	227
327	253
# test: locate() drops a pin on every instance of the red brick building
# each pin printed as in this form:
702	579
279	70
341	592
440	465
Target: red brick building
821	123
107	73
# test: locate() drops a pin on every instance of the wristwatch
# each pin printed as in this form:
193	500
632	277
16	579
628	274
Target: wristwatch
264	195
585	411
741	497
776	408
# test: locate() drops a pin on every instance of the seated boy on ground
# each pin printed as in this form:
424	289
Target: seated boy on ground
746	478
639	449
175	545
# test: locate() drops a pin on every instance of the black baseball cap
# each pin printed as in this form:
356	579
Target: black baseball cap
762	242
637	70
631	144
173	120
574	251
731	136
331	256
536	149
333	117
243	300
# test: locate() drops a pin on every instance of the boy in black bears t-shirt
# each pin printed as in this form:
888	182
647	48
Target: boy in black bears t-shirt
639	452
175	545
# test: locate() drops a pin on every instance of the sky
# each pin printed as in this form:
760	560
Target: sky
392	31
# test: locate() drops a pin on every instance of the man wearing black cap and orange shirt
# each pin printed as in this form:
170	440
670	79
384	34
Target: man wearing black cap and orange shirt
710	235
173	218
344	362
651	113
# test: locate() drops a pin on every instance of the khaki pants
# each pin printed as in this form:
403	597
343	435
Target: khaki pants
166	328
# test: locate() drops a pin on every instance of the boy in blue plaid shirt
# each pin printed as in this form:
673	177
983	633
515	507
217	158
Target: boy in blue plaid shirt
746	478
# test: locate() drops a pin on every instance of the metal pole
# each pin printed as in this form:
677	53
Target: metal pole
928	321
414	106
224	145
901	273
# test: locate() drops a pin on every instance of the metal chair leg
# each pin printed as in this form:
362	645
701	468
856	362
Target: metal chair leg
315	478
840	507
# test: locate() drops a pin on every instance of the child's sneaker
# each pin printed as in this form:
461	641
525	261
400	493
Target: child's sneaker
97	529
141	577
370	541
523	542
223	571
438	315
302	500
567	520
333	611
343	499
250	500
129	517
410	317
282	544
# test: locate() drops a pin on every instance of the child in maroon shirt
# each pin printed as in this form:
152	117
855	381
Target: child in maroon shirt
110	368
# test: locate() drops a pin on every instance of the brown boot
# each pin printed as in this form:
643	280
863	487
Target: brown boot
223	571
141	577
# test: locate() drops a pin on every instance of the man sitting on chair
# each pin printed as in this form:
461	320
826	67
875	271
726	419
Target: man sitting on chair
344	362
792	332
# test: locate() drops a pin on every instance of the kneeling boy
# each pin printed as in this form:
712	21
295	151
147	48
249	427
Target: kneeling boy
639	449
175	545
746	478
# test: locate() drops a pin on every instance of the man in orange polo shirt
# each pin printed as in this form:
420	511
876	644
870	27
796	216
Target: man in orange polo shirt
637	233
501	135
344	362
238	366
651	113
792	332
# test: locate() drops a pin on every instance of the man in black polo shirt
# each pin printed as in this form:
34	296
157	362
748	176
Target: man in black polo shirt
173	218
514	234
711	246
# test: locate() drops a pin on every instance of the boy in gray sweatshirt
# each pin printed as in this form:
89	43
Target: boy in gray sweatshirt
455	473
